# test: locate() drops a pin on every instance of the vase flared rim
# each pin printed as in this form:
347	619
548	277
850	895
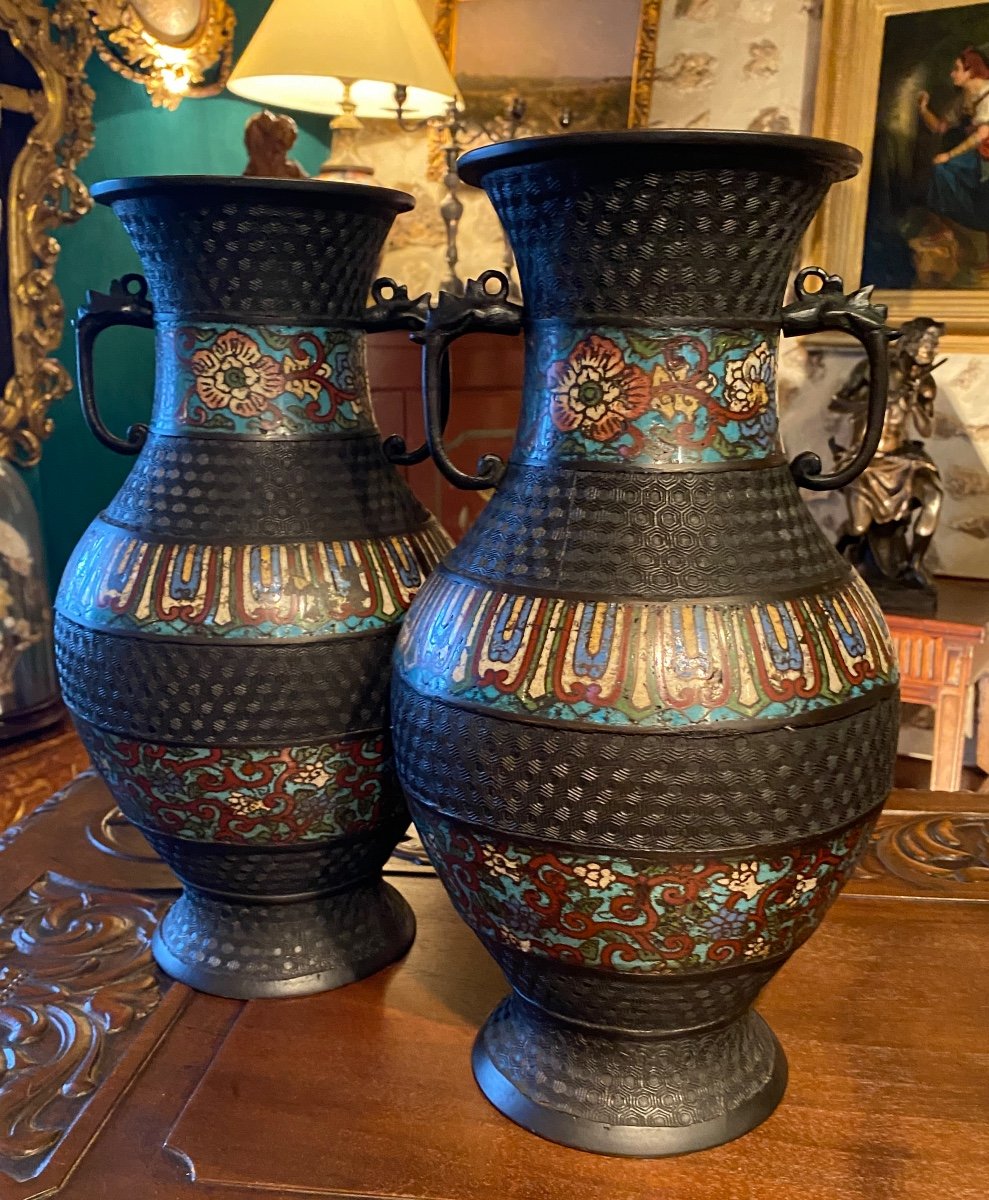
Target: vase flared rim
302	191
643	149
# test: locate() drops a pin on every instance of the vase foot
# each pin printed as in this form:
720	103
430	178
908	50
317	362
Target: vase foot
251	951
631	1095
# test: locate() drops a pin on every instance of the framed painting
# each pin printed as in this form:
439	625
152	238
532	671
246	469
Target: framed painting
578	64
907	83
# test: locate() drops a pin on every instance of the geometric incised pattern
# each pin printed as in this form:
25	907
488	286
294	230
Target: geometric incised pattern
274	380
635	236
636	915
117	580
650	535
257	796
638	665
646	396
637	1082
223	489
257	871
655	792
350	934
278	255
158	690
648	1003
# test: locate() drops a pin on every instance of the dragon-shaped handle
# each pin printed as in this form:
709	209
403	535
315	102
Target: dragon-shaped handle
126	303
392	309
484	307
830	309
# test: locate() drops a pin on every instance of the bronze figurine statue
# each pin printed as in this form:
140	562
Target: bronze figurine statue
894	505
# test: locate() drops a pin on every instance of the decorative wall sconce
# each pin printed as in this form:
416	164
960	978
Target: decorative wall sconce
175	48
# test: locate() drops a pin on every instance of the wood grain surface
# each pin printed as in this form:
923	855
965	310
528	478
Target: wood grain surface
30	771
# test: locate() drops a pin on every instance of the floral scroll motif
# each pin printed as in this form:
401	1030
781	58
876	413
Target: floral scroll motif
749	382
641	915
596	392
234	374
265	379
644	396
256	796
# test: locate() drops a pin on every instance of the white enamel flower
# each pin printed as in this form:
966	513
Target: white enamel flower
595	875
500	864
749	381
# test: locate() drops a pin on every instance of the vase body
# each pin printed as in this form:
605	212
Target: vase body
644	714
225	627
29	699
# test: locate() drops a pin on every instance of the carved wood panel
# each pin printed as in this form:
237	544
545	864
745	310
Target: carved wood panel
76	984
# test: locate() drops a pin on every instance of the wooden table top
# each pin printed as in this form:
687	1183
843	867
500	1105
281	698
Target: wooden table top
117	1084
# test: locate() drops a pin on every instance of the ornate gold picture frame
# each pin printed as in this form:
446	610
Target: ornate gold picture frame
641	66
175	48
846	109
43	194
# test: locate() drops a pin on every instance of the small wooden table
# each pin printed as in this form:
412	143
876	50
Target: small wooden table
940	659
121	1085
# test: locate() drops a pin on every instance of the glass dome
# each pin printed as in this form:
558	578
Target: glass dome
29	696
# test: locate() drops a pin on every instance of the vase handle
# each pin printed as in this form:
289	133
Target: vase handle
830	309
392	309
482	308
126	303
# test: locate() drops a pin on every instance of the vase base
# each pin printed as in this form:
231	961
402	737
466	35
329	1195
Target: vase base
629	1095
253	951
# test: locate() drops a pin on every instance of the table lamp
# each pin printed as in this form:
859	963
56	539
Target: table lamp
353	58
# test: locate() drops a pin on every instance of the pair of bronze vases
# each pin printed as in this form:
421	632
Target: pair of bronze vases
643	714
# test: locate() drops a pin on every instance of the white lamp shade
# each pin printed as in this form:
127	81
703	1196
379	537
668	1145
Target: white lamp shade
303	51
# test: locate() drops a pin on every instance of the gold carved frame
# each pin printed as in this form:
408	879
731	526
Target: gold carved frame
845	109
44	194
643	63
44	191
196	64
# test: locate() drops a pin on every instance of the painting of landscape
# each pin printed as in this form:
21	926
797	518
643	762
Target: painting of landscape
571	60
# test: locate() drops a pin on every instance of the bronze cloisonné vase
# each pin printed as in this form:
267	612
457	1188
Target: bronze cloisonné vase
225	627
644	713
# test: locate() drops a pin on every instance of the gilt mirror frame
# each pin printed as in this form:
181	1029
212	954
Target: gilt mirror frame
178	49
44	193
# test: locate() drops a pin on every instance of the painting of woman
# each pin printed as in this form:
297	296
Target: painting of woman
927	224
959	188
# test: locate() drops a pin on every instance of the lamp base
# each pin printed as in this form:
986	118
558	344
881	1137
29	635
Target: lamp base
345	160
349	172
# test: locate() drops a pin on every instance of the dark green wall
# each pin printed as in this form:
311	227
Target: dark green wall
77	476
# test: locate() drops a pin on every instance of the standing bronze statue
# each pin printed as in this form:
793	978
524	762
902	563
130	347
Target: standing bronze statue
894	505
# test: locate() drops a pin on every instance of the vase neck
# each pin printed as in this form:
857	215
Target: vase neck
232	379
649	397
